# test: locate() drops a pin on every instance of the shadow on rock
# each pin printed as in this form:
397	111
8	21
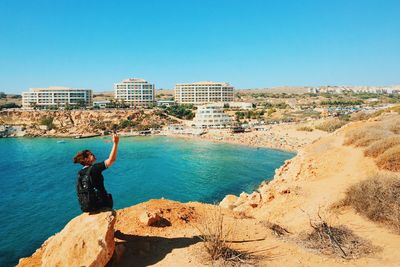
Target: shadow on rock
135	250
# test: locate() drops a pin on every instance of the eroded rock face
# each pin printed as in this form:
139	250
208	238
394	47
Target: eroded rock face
87	240
80	122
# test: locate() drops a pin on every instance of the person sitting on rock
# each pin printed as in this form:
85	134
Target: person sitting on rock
92	195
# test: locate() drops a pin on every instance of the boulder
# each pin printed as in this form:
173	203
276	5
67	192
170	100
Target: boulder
149	218
228	202
87	240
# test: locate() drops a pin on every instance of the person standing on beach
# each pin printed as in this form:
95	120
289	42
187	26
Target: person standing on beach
92	194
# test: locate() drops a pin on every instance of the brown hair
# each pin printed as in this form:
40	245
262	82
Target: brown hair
82	157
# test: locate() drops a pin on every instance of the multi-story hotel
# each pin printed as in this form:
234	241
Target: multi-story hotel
200	93
211	116
56	97
135	92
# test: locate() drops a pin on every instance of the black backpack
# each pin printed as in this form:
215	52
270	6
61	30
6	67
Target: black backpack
87	194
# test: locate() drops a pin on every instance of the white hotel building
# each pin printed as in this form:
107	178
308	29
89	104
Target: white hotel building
211	116
56	97
135	92
200	93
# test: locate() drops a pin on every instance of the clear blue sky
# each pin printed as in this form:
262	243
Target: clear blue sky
93	44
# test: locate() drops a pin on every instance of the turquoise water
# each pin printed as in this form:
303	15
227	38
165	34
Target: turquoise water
37	180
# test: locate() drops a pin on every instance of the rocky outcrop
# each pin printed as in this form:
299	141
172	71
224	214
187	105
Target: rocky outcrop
242	203
70	123
87	240
149	218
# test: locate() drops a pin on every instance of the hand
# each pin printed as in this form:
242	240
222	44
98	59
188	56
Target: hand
115	138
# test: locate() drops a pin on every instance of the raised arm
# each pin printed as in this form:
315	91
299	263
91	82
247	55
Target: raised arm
113	153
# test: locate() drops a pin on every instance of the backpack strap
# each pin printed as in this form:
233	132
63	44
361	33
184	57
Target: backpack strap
88	173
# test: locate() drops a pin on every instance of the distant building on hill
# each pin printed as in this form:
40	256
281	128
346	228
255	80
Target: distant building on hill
200	93
54	97
135	92
211	116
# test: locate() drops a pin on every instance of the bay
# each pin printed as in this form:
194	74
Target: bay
37	180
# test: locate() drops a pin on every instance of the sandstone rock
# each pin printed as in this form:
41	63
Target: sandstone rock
254	199
242	208
228	201
149	218
243	197
87	240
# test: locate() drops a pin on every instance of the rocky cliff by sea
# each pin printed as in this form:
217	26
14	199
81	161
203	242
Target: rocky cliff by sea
71	123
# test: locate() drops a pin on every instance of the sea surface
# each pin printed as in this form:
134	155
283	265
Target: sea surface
37	180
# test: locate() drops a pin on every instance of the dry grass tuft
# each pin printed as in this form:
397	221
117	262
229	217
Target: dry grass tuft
377	198
305	129
339	241
379	147
390	159
365	136
215	237
330	125
395	127
362	115
395	109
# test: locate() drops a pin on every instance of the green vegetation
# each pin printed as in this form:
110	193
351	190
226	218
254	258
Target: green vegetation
250	114
342	103
280	105
2	95
16	96
181	111
127	124
9	105
272	95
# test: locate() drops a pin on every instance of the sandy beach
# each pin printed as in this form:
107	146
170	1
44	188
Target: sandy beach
281	136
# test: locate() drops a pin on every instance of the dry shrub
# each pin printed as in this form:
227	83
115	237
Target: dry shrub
379	147
330	125
276	229
215	237
370	137
305	129
359	116
365	136
336	240
377	198
390	159
395	127
362	115
395	109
